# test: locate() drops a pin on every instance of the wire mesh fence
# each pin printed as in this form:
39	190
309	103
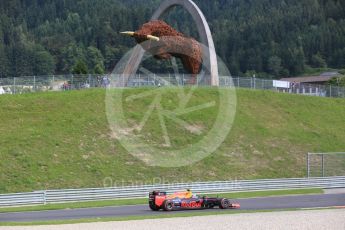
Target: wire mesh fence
29	84
325	164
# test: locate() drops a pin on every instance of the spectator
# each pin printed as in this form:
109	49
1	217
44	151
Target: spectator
293	84
105	82
65	86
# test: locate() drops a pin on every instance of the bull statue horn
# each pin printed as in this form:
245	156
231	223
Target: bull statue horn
129	33
154	38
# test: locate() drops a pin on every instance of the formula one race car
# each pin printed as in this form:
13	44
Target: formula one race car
186	200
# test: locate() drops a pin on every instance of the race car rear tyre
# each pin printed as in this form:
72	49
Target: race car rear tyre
168	205
224	203
154	207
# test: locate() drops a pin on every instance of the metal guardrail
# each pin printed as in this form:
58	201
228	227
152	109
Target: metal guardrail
17	199
93	194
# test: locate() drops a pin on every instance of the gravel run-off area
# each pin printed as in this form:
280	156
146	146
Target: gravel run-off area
308	219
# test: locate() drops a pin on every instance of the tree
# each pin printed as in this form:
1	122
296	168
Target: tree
5	70
113	55
337	81
43	62
251	73
99	69
295	61
317	61
274	65
95	60
247	34
80	67
21	57
70	56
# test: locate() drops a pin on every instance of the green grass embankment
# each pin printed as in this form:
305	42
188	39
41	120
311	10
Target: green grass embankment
62	140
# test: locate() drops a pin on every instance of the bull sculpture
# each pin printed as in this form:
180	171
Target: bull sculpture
171	44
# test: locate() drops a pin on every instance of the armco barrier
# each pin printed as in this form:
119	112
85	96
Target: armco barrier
17	199
92	194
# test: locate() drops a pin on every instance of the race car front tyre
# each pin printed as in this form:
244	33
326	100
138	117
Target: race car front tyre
224	203
168	205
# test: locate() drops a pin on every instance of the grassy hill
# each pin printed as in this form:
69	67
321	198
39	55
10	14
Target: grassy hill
63	140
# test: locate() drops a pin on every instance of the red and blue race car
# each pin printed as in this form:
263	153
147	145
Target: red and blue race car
186	200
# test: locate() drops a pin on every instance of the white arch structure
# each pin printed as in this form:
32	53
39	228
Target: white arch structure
209	53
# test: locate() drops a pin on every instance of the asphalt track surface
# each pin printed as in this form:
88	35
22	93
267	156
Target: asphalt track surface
266	203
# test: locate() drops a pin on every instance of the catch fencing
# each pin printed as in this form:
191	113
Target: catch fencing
325	164
94	194
20	85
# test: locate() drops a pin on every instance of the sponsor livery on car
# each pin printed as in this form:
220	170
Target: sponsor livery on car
185	200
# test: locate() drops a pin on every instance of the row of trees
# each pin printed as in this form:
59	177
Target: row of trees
266	37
